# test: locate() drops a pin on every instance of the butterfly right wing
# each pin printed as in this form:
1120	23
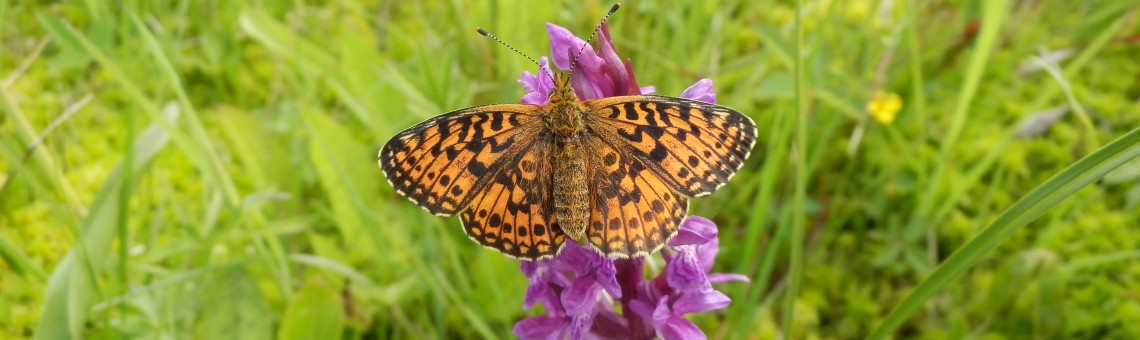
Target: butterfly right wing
650	154
441	164
633	212
693	146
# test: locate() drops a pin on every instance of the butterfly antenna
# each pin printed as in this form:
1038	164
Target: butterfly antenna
493	37
596	29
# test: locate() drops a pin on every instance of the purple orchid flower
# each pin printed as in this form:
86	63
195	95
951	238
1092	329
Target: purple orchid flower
538	86
700	91
570	286
579	287
685	285
597	74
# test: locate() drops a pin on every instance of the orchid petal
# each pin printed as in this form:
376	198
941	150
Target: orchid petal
685	271
582	296
679	328
529	269
576	258
539	327
700	302
706	254
561	40
607	278
536	292
620	75
726	277
671	325
661	312
694	230
534	98
583	86
580	325
700	91
538	86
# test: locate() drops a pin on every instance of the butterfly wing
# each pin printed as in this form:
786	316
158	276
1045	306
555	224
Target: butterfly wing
650	154
491	164
633	212
513	214
692	146
442	163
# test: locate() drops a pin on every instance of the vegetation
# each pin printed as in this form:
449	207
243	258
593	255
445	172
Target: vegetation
207	168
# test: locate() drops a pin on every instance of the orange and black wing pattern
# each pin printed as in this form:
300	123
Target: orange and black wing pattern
632	211
694	147
442	163
650	154
489	162
514	212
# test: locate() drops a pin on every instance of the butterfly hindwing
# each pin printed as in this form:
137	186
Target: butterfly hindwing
692	146
514	212
633	212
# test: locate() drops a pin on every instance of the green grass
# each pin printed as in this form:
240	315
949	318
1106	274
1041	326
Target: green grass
207	169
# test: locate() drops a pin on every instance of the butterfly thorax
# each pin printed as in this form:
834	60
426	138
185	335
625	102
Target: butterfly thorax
564	110
571	193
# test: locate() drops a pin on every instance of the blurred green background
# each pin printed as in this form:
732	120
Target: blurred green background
207	168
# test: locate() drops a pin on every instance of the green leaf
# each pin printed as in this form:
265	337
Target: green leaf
317	312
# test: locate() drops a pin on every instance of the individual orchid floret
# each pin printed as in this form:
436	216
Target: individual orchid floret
538	86
700	91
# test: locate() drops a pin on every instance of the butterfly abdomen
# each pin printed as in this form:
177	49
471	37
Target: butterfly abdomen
571	194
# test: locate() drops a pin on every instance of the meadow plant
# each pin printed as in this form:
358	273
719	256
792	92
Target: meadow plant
579	287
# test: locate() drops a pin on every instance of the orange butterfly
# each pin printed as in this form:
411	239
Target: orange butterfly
614	172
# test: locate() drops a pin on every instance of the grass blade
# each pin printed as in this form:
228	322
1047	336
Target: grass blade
1022	212
799	219
994	15
69	292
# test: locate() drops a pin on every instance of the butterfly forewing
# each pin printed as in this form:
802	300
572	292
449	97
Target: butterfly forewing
443	163
692	146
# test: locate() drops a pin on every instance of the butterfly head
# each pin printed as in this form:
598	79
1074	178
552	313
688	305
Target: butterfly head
562	91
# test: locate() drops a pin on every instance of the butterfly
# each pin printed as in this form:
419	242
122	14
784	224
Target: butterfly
615	173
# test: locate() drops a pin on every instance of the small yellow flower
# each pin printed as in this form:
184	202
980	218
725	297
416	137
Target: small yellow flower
884	106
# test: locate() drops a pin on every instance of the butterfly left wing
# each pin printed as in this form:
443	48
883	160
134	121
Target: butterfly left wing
491	164
692	146
514	212
440	164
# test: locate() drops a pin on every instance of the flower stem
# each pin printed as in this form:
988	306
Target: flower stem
629	276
